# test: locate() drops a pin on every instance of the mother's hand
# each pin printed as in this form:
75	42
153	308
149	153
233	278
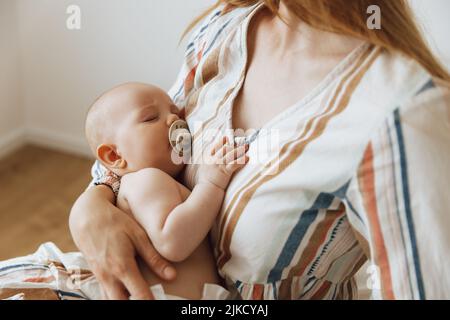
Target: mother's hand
110	240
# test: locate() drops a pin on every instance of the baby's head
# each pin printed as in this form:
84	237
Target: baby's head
127	129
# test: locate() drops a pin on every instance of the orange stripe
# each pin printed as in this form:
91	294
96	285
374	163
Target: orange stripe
366	178
209	70
40	279
258	290
317	239
189	80
296	151
322	291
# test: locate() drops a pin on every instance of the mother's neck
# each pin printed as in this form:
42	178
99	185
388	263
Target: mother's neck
295	36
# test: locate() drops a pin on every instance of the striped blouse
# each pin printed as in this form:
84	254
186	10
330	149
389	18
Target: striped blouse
359	169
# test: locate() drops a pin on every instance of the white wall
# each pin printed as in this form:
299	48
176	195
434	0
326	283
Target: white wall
119	41
53	73
434	18
11	117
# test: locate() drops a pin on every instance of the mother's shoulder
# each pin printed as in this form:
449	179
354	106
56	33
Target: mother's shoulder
217	23
394	79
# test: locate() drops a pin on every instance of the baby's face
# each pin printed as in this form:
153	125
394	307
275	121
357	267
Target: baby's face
143	117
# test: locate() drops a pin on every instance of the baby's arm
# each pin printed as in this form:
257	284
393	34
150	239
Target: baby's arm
177	228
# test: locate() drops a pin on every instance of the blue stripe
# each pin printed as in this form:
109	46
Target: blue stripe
342	191
342	194
296	236
189	53
429	85
394	178
179	91
37	266
70	294
199	34
203	29
217	36
408	211
352	209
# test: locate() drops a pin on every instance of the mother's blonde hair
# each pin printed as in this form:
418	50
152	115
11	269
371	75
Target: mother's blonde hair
399	31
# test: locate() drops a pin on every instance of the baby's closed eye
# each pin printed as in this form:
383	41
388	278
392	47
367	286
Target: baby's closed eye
151	117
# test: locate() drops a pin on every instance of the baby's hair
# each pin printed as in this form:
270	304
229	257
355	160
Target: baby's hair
93	129
98	128
96	114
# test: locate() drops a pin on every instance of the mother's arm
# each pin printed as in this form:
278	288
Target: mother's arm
110	240
399	199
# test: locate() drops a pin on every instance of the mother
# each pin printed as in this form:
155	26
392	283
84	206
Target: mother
363	165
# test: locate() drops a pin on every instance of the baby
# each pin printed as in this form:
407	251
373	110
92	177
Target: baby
128	130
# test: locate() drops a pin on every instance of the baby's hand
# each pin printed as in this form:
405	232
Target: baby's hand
221	162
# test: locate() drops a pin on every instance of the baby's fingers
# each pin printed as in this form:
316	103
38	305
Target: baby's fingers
236	164
236	154
219	144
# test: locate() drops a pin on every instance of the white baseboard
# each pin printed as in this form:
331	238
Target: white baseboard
58	141
45	138
12	141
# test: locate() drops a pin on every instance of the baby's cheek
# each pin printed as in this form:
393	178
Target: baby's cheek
134	153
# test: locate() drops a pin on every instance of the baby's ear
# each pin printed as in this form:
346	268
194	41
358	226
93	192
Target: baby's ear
109	156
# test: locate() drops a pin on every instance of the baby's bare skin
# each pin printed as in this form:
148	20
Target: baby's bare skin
199	268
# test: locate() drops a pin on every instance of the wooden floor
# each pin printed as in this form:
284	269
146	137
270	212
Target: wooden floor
37	189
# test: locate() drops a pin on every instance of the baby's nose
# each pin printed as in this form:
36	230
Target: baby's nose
171	118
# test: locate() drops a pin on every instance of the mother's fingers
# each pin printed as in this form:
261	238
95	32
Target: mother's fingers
135	283
114	290
152	258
